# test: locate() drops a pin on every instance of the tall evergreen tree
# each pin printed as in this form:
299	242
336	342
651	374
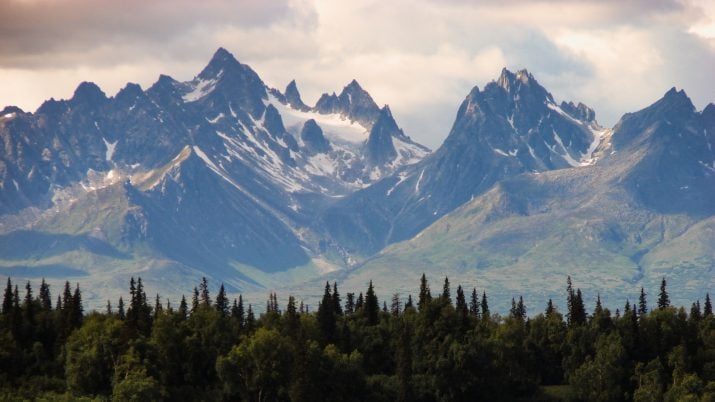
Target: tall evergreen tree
474	304
195	300
326	317
158	308
642	303
7	298
461	303
204	289
360	303
350	303
120	309
372	306
695	313
663	299
446	292
183	308
550	310
708	307
337	302
409	303
579	309
250	319
291	315
598	310
109	307
77	308
425	296
485	306
240	314
45	298
222	302
396	307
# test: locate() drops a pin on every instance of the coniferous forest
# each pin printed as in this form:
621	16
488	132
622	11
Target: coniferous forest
441	345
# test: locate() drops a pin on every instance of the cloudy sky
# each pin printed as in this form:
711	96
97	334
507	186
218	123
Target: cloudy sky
419	56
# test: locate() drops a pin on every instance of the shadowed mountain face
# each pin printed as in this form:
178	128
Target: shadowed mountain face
224	177
641	212
219	175
511	127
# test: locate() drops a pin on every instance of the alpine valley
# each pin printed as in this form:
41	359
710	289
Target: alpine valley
226	177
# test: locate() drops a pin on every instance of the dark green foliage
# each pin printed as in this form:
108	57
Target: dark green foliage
443	352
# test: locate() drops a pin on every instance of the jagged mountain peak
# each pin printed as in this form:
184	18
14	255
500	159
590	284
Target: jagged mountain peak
129	92
220	61
508	79
88	93
520	87
292	97
709	109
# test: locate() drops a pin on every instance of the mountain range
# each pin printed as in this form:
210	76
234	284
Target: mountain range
226	177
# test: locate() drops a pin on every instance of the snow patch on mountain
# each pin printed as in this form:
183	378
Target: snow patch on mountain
110	149
200	88
336	128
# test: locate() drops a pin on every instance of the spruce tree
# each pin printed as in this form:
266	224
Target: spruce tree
360	303
485	306
409	303
326	317
222	302
550	310
663	299
372	306
474	304
109	307
708	307
461	303
599	308
579	309
396	307
642	303
384	307
521	309
195	300
158	308
446	292
350	304
695	313
183	308
45	298
204	289
250	319
425	296
337	302
240	314
7	298
120	309
291	315
77	308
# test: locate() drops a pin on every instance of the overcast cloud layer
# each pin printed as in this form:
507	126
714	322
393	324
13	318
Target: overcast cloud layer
420	56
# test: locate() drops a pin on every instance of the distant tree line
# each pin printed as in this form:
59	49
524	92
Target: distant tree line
439	347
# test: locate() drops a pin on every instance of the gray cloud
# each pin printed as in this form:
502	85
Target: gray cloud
420	56
103	32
